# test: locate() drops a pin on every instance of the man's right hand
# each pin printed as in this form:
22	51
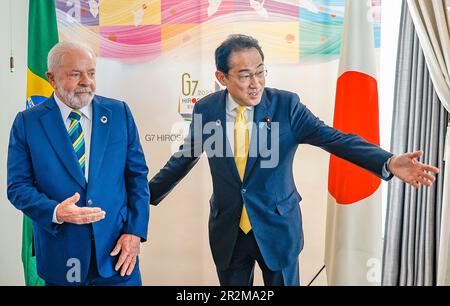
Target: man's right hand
68	212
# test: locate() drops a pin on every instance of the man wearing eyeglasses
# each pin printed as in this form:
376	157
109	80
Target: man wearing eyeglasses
77	170
255	216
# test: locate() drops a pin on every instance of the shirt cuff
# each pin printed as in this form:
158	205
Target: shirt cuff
54	216
385	171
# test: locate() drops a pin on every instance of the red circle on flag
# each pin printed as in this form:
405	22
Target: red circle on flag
356	112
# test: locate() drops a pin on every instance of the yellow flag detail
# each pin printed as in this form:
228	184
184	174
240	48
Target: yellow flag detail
37	86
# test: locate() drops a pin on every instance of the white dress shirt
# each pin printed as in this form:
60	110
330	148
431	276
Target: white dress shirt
231	117
86	125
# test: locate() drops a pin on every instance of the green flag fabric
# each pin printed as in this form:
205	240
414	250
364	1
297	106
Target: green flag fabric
42	36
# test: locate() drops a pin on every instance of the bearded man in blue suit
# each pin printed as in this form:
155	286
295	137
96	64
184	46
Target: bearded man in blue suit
77	170
255	214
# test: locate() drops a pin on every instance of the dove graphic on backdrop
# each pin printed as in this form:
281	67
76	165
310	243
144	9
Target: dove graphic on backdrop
258	6
307	4
75	11
213	6
139	15
93	8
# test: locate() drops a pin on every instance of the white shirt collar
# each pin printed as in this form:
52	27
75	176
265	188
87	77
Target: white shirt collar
232	105
66	110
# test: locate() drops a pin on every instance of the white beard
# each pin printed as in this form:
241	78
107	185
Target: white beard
74	101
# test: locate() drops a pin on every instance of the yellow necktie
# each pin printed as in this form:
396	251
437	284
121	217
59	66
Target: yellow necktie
241	145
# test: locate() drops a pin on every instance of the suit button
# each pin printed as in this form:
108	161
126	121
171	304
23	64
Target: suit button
244	190
89	202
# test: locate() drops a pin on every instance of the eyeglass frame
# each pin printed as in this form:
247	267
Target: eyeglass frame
250	76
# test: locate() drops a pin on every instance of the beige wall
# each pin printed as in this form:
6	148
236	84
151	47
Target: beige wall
12	100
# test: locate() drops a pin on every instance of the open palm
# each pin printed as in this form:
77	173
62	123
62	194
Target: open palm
407	168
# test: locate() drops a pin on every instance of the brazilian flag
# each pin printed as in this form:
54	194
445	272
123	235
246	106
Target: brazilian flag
42	36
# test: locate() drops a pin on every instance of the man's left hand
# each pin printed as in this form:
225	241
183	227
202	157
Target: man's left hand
407	168
129	246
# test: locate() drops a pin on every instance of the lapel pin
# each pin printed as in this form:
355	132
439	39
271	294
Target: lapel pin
104	119
218	122
267	120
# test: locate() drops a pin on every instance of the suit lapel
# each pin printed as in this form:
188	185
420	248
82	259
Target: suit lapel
101	121
227	152
259	116
58	137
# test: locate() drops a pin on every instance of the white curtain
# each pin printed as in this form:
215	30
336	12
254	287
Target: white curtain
432	22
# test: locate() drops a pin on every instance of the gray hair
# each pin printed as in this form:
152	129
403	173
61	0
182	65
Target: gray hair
55	58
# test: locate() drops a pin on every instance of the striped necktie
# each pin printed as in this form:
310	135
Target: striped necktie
76	135
241	145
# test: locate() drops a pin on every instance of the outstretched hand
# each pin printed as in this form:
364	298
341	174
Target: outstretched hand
69	212
407	168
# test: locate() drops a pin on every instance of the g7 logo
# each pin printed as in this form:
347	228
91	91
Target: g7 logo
188	87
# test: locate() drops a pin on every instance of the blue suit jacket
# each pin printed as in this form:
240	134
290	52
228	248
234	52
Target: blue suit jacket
269	193
43	171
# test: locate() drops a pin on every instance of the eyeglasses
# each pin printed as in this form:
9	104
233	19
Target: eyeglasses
76	75
259	75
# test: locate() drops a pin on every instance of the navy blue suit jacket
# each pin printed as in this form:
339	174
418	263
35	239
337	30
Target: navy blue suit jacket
43	171
269	193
